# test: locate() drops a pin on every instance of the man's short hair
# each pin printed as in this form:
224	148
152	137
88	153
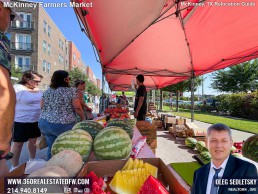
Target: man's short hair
140	78
219	127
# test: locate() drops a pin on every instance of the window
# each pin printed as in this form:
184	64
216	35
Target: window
44	66
74	56
8	35
79	61
48	68
44	46
49	31
45	26
23	42
23	62
61	59
49	50
27	20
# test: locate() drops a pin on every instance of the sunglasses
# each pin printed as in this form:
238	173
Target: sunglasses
36	81
12	16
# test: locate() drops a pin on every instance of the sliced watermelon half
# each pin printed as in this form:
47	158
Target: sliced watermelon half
153	186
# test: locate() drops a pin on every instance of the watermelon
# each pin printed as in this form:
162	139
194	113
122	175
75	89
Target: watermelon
123	125
131	122
91	127
250	148
112	143
77	140
153	185
190	142
205	156
200	146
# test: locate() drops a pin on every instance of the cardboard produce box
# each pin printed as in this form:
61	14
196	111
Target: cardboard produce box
194	131
110	167
180	121
170	119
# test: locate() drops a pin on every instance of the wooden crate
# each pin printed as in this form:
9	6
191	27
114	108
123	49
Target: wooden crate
157	123
150	131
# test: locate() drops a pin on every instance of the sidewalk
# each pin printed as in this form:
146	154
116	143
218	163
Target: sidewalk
171	149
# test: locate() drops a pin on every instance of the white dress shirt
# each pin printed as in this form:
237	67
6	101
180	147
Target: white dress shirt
212	173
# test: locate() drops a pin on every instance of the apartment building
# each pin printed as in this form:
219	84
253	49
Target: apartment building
98	84
38	44
74	56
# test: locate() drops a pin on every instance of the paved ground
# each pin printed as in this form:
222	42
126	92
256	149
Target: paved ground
169	148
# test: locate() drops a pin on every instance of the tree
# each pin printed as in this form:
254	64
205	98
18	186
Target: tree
76	74
16	72
239	78
184	86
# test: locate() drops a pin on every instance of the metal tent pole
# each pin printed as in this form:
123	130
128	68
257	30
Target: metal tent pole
103	85
192	97
160	99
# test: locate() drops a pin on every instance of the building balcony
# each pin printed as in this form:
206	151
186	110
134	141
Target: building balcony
22	25
21	47
23	67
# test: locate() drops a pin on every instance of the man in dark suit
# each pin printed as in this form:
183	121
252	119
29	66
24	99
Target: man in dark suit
219	142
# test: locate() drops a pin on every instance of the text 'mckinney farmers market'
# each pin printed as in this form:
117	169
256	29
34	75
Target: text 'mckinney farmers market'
46	5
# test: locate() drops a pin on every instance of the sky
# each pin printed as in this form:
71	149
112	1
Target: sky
67	22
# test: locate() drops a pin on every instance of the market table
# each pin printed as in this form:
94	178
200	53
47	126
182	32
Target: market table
145	152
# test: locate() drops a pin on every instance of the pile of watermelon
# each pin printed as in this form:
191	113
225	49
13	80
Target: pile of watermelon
112	142
250	148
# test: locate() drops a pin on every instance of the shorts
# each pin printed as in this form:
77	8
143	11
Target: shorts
22	132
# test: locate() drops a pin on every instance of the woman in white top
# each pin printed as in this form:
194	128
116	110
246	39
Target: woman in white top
27	112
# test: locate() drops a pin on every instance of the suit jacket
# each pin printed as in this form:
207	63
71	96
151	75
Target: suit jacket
235	169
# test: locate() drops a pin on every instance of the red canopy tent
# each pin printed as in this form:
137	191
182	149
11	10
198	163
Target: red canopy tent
169	41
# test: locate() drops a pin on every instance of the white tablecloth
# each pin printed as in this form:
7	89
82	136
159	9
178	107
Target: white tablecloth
145	152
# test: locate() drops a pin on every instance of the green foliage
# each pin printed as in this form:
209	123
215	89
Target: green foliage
184	86
16	72
239	78
77	74
239	124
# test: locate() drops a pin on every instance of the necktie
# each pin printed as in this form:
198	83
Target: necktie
214	188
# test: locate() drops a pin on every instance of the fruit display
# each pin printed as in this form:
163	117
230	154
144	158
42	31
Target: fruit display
123	125
151	186
112	143
131	178
91	127
250	148
205	156
77	140
117	113
238	145
98	184
69	160
49	171
201	147
190	142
